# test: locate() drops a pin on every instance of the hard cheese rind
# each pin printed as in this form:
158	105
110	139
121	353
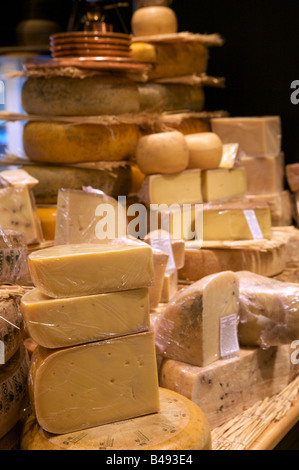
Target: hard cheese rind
86	269
57	323
94	384
188	330
11	321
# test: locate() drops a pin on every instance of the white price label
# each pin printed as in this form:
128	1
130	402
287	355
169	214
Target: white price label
229	343
253	224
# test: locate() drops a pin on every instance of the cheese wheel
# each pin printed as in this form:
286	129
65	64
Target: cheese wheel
56	142
109	94
205	150
158	97
13	389
179	425
13	256
11	321
152	20
164	152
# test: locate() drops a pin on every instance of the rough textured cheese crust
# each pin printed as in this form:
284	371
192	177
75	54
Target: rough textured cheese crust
68	96
55	142
179	425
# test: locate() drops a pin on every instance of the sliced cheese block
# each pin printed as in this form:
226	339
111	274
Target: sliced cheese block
160	98
18	213
157	238
86	269
179	425
292	175
160	261
47	216
280	205
189	328
112	179
224	389
265	257
13	390
107	381
236	221
164	152
13	257
172	59
11	322
110	94
205	150
265	174
223	184
269	311
88	216
151	20
58	323
170	286
257	136
180	188
58	142
17	178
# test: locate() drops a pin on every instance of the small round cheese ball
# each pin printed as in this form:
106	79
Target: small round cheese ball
165	153
205	150
148	21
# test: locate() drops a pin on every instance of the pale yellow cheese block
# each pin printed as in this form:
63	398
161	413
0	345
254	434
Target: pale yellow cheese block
205	150
182	222
280	205
223	184
163	152
265	174
154	19
13	390
160	261
58	142
228	387
292	175
257	136
11	322
94	384
58	323
18	213
188	329
17	178
170	286
109	94
269	311
179	425
88	216
86	269
180	188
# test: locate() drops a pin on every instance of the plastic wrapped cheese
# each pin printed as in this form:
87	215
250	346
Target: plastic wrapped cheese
13	257
269	311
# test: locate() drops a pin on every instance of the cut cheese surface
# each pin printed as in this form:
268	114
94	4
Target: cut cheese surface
86	269
257	136
88	216
181	188
17	178
205	150
58	323
13	389
107	381
227	387
179	425
188	330
223	184
160	261
170	286
265	174
65	96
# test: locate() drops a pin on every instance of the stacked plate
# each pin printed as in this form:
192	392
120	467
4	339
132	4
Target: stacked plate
90	44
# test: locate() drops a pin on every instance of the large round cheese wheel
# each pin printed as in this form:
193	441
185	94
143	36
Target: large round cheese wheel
109	94
205	150
164	152
158	97
179	425
152	20
56	142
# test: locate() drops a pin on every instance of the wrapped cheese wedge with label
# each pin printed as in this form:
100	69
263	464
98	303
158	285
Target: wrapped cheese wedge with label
110	94
58	323
199	325
87	269
269	311
93	384
227	387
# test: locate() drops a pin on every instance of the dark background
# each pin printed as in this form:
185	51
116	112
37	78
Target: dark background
259	60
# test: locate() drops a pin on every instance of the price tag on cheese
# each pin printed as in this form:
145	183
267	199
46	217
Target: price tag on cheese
163	244
229	343
253	224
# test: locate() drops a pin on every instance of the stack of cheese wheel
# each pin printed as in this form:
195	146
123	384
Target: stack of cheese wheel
95	362
14	366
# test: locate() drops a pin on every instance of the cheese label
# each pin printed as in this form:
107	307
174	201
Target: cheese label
164	244
2	353
253	224
229	344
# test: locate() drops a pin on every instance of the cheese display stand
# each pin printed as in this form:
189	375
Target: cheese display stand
119	332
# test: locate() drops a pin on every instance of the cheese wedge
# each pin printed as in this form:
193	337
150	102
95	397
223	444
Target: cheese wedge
86	269
223	184
190	327
58	323
160	261
93	384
